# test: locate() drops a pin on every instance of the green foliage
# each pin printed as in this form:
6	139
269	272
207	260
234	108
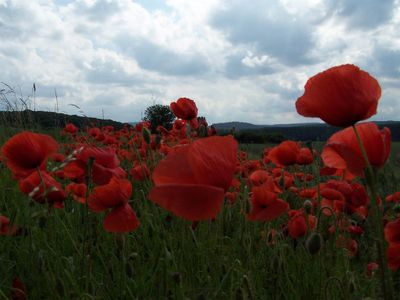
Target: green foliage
159	115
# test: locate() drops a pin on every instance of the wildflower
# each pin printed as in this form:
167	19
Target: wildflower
343	152
191	182
184	108
115	196
27	151
340	96
265	204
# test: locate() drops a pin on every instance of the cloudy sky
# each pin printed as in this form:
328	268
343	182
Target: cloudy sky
239	60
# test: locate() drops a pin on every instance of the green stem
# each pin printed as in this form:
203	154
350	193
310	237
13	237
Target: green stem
377	226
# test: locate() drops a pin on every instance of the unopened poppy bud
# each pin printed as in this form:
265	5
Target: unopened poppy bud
314	243
307	205
120	241
146	134
157	140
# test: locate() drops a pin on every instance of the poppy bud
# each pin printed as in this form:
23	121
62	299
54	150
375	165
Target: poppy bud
157	140
307	205
120	241
146	134
314	243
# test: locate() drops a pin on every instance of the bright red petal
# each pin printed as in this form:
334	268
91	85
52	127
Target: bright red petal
121	219
175	169
213	160
114	194
270	212
190	201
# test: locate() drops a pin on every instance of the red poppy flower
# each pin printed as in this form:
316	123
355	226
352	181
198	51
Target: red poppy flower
392	232
43	188
6	228
18	289
191	182
184	108
371	268
305	156
265	205
393	256
297	223
395	197
285	154
140	172
105	165
70	128
340	96
78	191
27	151
115	196
343	152
259	177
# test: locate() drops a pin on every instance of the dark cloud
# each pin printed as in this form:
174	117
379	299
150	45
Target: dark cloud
269	28
151	56
385	62
363	14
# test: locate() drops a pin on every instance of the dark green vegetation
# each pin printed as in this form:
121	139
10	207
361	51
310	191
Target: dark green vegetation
48	120
65	253
249	133
159	115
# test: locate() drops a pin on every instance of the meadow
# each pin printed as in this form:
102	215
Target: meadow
66	254
181	213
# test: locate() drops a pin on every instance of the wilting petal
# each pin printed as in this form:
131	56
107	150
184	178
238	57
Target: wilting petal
191	202
121	219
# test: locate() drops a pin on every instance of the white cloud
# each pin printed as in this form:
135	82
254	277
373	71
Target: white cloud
239	61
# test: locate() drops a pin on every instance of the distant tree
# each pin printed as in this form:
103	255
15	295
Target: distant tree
159	115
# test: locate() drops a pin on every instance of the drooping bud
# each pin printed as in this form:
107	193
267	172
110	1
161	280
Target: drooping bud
307	205
314	243
146	134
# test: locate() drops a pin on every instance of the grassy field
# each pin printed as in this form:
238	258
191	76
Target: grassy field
66	254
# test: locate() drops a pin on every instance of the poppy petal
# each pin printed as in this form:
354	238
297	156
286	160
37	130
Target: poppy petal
121	219
213	160
192	202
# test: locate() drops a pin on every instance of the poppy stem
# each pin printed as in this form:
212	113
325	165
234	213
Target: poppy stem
376	218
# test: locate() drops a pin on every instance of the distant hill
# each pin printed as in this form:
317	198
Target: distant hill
299	132
45	119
